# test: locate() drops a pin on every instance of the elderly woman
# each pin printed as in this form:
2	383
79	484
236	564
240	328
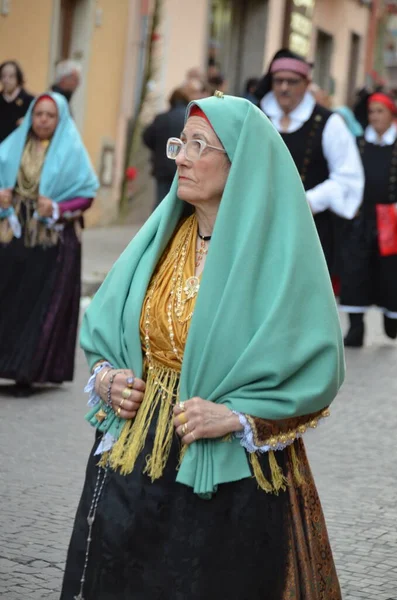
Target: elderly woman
46	181
206	369
370	247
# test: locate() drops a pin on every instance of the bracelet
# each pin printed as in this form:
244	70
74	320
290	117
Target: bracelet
104	375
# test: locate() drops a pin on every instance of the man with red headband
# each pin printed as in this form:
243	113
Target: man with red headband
370	250
322	147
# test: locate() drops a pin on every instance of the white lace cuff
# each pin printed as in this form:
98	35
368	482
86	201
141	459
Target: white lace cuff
246	436
93	398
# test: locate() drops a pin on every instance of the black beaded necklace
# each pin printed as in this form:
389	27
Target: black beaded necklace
205	238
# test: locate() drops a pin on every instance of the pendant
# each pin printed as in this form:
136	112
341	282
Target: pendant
100	415
192	286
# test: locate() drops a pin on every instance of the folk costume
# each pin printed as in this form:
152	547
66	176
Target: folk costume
154	518
370	249
325	155
41	258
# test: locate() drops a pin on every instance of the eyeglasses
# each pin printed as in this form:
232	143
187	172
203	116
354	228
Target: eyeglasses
193	148
290	81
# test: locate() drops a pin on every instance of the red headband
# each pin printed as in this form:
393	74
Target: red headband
385	100
196	111
291	64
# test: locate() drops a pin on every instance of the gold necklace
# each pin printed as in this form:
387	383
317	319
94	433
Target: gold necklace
201	252
175	303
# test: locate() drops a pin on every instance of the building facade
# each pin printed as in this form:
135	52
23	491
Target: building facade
109	38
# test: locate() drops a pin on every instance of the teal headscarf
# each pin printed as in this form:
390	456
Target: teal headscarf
352	124
67	171
265	336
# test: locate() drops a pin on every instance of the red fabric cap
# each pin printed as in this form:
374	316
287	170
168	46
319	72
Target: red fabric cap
385	100
196	111
45	97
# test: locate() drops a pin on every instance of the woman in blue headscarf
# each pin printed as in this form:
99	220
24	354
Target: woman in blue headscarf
46	182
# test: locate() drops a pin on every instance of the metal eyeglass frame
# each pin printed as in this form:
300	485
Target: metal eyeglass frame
185	146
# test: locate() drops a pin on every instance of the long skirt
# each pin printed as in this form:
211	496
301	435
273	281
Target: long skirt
367	277
39	308
159	541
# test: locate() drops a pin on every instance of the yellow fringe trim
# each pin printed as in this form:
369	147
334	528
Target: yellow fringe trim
278	479
279	482
299	479
263	483
160	393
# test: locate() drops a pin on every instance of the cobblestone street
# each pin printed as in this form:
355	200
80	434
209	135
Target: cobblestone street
45	444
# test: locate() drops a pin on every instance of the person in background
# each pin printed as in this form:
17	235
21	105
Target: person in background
249	90
217	83
321	146
46	182
67	78
14	99
352	124
165	125
369	274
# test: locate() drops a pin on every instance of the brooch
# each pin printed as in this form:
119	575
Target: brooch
219	94
19	102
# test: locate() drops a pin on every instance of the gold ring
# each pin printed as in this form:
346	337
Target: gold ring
126	393
184	429
118	411
182	406
122	402
183	418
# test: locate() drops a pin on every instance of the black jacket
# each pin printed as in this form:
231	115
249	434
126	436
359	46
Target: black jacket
155	136
11	112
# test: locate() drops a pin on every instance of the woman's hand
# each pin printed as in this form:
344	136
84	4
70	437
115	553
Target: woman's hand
44	207
5	198
126	391
197	419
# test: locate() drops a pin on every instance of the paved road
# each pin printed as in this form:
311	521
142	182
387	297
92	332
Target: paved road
45	443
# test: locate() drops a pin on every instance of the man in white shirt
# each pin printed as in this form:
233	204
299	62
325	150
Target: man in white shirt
321	145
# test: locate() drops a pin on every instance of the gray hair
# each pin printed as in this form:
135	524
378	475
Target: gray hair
66	68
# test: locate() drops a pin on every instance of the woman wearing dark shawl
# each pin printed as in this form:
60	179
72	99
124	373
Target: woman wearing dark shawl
209	362
46	182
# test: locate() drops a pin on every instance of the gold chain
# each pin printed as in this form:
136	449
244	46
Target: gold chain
175	303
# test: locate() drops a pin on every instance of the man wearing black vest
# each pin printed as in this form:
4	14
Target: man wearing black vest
323	149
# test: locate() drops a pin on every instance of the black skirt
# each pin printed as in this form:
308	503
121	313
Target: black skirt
367	277
39	308
160	541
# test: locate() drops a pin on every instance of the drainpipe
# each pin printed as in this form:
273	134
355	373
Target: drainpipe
376	6
142	53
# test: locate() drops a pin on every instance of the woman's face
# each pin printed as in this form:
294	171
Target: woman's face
44	119
9	78
201	183
380	117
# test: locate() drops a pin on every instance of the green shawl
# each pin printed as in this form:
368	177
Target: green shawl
265	336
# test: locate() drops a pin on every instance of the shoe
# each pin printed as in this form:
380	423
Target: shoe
390	327
355	336
22	390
